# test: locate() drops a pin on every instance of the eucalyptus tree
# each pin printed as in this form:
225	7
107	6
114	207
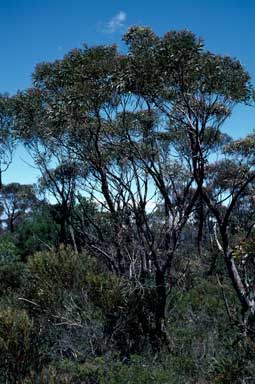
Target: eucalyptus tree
144	126
196	91
82	105
16	199
61	184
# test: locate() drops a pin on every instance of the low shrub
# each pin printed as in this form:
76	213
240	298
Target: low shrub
18	345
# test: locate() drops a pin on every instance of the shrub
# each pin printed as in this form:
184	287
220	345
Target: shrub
52	273
12	276
107	371
18	345
12	269
137	371
8	251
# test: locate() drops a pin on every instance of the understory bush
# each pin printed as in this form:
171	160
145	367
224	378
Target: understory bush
63	319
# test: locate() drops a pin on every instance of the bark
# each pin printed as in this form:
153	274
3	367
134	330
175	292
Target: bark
73	239
247	303
160	315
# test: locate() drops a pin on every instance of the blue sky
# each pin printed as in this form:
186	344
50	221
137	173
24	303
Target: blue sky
32	31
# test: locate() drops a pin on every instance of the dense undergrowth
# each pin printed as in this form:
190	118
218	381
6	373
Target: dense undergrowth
63	319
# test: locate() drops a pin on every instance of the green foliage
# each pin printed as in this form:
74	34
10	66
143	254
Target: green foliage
9	252
234	364
101	371
68	372
18	345
12	276
37	232
136	371
53	273
12	270
57	272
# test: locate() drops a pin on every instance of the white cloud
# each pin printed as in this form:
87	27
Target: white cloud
117	22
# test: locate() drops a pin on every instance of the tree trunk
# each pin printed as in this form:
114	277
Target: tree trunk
160	315
11	225
62	234
247	303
